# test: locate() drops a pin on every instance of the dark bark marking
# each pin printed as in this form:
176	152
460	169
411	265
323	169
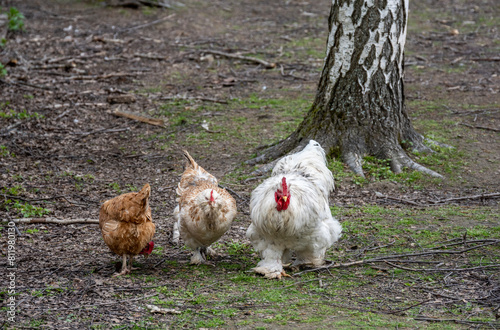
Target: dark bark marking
356	14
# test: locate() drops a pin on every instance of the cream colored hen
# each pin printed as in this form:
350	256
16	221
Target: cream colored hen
290	213
204	211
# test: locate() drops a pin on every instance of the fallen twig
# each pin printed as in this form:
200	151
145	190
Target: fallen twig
105	304
151	56
488	59
64	114
158	21
268	65
464	242
40	199
6	130
104	130
482	127
430	319
141	118
441	269
53	220
407	308
482	196
22	83
474	112
395	256
201	98
104	76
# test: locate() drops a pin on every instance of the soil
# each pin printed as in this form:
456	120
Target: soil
74	60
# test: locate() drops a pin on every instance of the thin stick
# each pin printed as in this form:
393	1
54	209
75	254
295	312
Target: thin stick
405	309
441	269
64	114
11	127
41	199
482	127
151	57
22	83
104	76
492	195
429	319
53	220
490	59
462	242
201	98
240	57
385	258
158	21
104	130
141	118
106	304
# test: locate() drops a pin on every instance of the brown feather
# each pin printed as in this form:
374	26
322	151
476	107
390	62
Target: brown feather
125	222
201	219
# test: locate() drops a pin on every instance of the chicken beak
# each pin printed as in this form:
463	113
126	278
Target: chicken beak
285	198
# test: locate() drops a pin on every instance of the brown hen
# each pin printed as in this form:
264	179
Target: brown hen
127	227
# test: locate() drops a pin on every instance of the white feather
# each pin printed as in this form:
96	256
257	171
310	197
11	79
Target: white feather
307	226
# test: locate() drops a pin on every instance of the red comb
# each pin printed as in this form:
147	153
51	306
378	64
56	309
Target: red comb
212	196
285	188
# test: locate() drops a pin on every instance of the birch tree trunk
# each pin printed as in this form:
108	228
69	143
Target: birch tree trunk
359	107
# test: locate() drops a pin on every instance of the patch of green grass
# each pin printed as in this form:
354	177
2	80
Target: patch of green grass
25	209
375	170
158	250
148	11
16	19
3	71
35	324
32	231
14	191
444	160
131	188
23	114
116	187
305	48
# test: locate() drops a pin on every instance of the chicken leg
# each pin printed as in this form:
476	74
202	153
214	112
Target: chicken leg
124	270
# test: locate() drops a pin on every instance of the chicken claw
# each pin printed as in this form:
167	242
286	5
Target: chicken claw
270	274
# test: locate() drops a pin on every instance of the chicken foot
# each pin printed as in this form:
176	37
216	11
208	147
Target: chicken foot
124	270
200	255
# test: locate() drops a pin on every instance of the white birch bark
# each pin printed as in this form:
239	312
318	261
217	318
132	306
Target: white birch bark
345	41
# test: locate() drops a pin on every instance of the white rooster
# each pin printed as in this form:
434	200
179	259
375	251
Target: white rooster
290	213
204	213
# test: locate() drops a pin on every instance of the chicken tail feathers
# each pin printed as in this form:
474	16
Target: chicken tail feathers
143	195
191	163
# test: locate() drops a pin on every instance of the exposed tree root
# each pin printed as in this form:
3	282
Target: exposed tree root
354	161
398	157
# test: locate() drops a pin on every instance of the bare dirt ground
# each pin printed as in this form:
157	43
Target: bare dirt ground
64	151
